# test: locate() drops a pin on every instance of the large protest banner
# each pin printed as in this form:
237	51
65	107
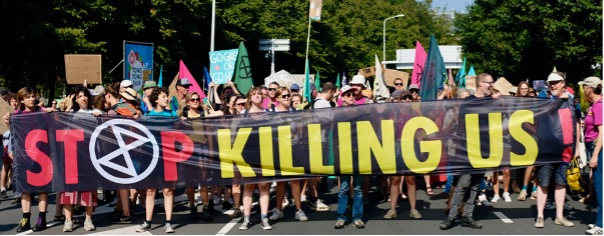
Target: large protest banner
138	63
222	65
67	152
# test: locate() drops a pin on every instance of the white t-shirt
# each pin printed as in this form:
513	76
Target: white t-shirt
321	103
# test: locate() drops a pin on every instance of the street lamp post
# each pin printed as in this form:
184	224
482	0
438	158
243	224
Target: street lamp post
213	25
384	41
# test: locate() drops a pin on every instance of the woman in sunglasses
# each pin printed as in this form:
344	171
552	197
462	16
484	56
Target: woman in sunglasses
284	98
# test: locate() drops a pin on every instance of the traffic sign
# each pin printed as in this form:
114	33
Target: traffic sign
274	41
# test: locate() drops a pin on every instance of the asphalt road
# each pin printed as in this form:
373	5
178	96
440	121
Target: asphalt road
516	217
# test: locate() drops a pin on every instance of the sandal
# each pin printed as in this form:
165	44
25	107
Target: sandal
429	191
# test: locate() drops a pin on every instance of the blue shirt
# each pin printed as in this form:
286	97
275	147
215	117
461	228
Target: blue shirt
167	113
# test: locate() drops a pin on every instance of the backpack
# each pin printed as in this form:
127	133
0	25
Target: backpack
125	109
573	177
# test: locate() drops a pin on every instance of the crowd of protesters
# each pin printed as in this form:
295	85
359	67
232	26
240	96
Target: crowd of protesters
466	191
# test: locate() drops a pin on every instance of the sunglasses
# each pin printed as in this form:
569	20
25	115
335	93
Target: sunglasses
272	89
398	84
414	90
195	99
285	96
240	104
348	95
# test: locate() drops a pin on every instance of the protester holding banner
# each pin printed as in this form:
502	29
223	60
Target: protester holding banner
348	99
271	99
178	100
468	184
557	172
523	91
255	105
284	98
121	212
592	90
148	87
27	104
159	101
82	106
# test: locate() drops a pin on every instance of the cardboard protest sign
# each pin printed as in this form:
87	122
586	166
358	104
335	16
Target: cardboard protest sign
83	67
503	86
390	75
471	82
4	108
367	72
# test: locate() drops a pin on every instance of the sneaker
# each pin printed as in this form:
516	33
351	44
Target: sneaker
236	213
245	225
564	222
591	226
40	225
550	205
168	228
88	226
340	224
123	219
265	225
285	202
114	215
3	194
594	231
144	227
205	214
320	206
390	214
506	197
470	222
277	214
217	199
482	199
447	223
24	225
358	223
534	195
16	200
193	213
495	198
226	205
303	198
414	214
539	223
68	227
300	215
522	195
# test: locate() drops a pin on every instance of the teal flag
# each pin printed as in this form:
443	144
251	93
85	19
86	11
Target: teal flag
307	89
471	72
318	81
434	74
160	82
460	78
338	81
242	76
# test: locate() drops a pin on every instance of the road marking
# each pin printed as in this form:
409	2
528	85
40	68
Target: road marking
122	231
503	218
228	226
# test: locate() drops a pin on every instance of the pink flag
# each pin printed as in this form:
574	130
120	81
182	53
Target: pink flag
183	72
418	63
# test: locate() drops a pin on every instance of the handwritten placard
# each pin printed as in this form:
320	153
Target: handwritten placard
83	67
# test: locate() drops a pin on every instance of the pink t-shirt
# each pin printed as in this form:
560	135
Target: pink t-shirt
357	101
266	103
593	119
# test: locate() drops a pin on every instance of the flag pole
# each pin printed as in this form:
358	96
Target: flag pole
306	67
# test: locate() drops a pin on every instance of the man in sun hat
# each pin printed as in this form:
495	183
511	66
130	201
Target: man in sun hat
148	87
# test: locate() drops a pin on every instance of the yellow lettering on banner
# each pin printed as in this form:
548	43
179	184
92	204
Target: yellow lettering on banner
495	137
266	151
316	152
524	138
432	147
285	152
230	155
345	147
369	142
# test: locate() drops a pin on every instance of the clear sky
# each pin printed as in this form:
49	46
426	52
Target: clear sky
450	5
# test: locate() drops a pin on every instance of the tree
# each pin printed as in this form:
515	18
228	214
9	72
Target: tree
521	39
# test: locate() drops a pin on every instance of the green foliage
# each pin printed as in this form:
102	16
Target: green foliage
521	39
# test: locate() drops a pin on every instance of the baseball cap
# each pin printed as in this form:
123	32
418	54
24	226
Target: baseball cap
346	88
554	77
129	94
398	94
295	87
413	86
358	79
591	81
149	84
125	83
183	82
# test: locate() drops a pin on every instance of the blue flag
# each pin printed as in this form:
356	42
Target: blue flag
338	81
471	72
307	90
160	82
434	74
460	78
206	78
